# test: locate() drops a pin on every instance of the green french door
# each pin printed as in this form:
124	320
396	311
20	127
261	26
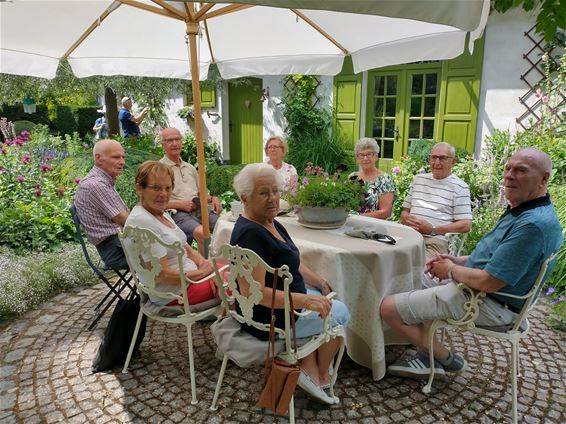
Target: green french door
402	107
246	122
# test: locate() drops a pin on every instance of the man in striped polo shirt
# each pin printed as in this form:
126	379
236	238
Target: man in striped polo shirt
438	202
100	208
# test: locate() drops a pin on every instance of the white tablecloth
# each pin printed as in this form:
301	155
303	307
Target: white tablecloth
362	272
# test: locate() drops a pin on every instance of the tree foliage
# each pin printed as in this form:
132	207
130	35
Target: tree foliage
551	17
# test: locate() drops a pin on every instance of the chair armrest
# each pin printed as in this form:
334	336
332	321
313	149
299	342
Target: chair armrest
471	307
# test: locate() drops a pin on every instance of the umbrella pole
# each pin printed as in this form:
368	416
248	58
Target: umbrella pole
192	31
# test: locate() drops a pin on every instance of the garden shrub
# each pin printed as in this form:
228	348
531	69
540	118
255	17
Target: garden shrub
15	113
65	121
125	183
27	280
23	125
324	150
86	116
219	178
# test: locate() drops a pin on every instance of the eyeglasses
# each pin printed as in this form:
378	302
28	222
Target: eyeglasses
159	189
274	147
172	140
434	158
365	155
266	194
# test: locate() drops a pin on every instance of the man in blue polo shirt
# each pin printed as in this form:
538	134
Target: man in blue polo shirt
129	122
506	260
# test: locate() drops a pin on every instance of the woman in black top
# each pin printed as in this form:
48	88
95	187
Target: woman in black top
259	188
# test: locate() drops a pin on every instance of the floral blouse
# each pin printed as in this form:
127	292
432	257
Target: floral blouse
383	183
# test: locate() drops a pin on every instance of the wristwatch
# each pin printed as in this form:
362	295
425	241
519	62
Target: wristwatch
433	231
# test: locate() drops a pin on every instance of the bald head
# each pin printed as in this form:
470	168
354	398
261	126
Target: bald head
109	156
526	176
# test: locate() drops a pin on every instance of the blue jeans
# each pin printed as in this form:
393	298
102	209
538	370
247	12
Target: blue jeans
311	324
112	254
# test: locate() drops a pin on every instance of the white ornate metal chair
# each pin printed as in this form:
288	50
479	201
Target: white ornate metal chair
145	268
513	333
456	242
242	262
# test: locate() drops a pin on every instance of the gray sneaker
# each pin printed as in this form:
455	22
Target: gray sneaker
456	365
417	367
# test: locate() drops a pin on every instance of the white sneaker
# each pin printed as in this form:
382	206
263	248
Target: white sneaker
313	390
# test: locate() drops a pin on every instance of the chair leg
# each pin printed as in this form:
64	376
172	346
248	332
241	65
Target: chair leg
192	365
337	366
431	331
515	360
213	407
133	343
292	410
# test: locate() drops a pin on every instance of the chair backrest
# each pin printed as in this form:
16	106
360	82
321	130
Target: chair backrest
139	245
242	263
78	229
531	297
455	242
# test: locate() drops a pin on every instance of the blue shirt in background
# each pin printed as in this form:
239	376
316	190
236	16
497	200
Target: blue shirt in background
129	127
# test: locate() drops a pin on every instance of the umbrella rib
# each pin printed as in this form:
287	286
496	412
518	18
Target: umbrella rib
91	28
149	8
208	41
190	9
320	30
203	10
170	8
227	9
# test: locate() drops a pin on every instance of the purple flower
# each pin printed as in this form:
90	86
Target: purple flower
77	180
305	181
550	290
37	193
20	178
45	168
396	170
25	159
25	135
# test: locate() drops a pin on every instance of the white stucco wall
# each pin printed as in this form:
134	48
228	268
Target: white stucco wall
503	65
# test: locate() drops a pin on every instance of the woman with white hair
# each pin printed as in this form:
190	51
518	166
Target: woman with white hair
379	187
276	148
259	188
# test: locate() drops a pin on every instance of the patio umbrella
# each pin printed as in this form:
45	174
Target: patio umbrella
272	37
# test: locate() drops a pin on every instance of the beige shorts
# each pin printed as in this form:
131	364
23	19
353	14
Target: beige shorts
441	300
435	246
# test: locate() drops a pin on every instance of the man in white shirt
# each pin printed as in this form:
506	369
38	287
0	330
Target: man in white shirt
184	197
438	202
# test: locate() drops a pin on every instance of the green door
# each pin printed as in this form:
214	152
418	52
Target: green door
402	106
246	122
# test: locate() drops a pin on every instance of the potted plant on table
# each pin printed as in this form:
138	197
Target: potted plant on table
324	201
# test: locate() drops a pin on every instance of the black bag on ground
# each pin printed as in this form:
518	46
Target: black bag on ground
115	343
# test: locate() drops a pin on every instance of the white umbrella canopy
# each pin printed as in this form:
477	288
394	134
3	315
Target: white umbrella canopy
180	39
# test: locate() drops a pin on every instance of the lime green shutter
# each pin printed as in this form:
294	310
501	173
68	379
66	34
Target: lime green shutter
459	98
207	96
347	104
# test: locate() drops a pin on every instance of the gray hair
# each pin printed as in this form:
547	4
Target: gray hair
283	143
450	148
244	181
366	143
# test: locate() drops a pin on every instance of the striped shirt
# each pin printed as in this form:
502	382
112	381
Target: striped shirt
439	201
97	202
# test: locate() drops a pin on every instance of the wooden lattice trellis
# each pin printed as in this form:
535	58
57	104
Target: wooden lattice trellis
534	78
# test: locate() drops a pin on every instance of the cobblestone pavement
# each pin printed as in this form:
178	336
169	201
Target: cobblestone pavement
45	376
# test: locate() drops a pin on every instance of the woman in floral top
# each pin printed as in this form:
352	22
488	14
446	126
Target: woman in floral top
276	149
380	189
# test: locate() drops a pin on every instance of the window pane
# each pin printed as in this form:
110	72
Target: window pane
414	128
387	149
428	128
417	86
390	106
416	106
376	131
429	106
431	83
392	85
378	107
379	86
389	128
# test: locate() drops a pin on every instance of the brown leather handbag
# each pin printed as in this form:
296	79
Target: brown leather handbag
280	377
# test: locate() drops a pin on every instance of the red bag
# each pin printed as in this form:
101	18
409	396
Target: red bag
280	378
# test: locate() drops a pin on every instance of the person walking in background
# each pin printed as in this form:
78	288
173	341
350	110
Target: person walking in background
101	125
130	123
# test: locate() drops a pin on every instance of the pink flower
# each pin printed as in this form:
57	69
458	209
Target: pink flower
396	170
2	151
25	135
25	159
37	187
20	178
46	168
60	191
538	94
77	180
37	193
544	99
